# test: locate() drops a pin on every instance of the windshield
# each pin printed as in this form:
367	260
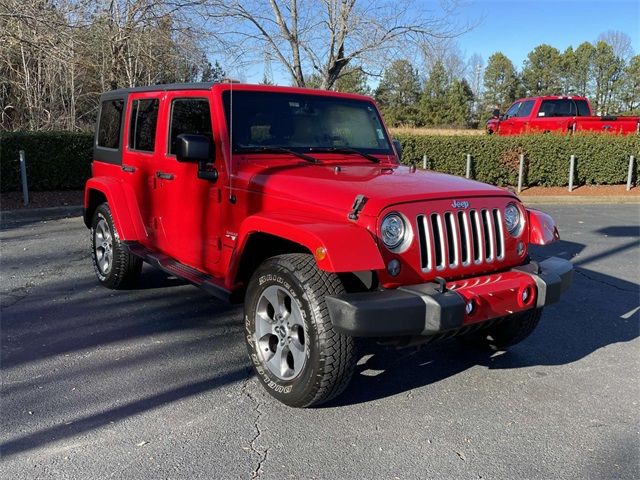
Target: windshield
303	123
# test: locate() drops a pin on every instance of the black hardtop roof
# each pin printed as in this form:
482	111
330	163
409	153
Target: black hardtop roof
162	88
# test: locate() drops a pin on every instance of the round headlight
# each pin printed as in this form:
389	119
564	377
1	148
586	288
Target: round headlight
513	219
393	230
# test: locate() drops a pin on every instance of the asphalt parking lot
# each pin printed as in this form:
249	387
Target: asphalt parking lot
155	383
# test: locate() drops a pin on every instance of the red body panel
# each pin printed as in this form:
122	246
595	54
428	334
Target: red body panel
534	123
126	216
162	203
542	228
496	295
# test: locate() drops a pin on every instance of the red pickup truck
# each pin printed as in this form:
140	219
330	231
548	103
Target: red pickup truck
557	114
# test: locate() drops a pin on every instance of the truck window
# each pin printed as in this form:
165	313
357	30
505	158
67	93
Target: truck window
109	123
142	124
525	108
189	115
557	108
513	109
583	108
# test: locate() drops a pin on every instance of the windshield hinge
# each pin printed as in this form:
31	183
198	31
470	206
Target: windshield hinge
358	205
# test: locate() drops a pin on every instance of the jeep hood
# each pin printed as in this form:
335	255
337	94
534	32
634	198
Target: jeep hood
335	188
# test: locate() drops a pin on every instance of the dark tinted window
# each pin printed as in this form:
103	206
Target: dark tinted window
303	122
142	125
583	108
557	108
513	109
525	108
189	115
109	124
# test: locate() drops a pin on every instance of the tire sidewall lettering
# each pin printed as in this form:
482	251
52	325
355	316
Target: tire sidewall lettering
276	385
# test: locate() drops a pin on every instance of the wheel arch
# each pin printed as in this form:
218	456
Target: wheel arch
331	244
122	203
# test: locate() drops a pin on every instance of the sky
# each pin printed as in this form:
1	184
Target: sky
515	27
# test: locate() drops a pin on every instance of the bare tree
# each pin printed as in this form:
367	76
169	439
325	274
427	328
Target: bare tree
620	42
325	36
57	56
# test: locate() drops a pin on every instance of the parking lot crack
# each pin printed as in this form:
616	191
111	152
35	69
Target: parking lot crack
582	273
261	453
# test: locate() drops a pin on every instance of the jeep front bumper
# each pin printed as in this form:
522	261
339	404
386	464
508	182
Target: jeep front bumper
426	310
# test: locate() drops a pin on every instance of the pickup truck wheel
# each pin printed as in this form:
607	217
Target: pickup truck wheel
297	355
114	266
508	332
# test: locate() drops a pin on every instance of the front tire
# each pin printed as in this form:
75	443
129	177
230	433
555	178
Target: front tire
508	332
297	355
114	266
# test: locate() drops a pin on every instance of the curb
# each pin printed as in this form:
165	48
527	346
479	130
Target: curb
40	214
579	199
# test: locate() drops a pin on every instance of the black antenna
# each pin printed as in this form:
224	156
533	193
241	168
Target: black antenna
232	197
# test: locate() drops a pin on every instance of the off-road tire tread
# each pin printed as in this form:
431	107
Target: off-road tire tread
337	349
126	267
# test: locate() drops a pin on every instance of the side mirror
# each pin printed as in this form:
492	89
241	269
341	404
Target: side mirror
197	149
193	148
398	146
496	113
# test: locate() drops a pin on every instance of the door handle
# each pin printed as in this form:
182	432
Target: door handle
164	176
128	168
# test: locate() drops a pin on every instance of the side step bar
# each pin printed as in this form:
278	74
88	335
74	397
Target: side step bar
208	283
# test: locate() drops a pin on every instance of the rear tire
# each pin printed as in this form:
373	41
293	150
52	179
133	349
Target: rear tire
114	266
297	355
508	332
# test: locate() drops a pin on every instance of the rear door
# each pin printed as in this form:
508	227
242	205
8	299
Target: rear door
555	115
141	153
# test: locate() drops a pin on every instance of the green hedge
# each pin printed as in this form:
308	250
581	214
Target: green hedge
55	160
61	161
600	159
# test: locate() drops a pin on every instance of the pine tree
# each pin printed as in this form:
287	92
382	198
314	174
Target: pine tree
459	103
212	73
353	80
500	82
433	103
542	71
398	94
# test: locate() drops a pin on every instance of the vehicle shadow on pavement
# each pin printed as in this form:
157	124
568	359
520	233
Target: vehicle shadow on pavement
133	352
599	310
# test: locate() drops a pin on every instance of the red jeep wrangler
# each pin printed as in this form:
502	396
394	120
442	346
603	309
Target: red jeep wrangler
294	201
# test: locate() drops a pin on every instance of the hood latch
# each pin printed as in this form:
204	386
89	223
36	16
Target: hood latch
358	205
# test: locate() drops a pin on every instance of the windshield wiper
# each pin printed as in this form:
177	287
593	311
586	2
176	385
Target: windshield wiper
271	149
348	151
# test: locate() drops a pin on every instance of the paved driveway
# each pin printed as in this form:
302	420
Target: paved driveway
154	383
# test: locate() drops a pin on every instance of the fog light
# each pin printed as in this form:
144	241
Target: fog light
469	307
520	248
393	267
525	295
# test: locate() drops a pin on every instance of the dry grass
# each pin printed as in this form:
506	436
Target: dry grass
436	131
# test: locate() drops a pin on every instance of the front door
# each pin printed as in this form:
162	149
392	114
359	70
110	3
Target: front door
186	209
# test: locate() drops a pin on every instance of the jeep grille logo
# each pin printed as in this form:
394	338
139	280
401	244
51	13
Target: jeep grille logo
460	204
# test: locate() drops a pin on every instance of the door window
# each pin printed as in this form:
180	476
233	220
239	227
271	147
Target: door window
557	108
189	115
142	124
513	109
525	109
